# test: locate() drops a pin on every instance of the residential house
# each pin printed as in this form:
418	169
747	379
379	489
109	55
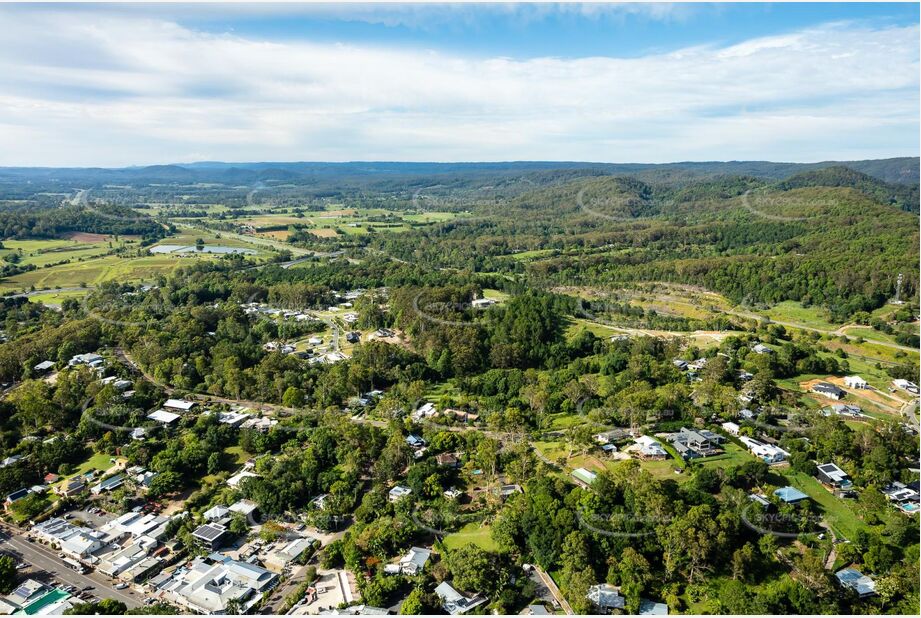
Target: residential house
110	484
216	513
611	435
163	417
447	460
606	597
768	452
691	444
71	487
245	473
843	409
210	536
858	582
15	497
760	348
482	303
288	553
731	428
826	389
454	602
650	448
651	608
903	496
427	410
584	477
179	405
855	382
415	441
905	385
398	493
832	475
90	360
414	561
790	495
43	367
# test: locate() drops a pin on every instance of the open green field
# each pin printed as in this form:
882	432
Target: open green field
93	272
792	311
870	334
472	533
42	252
56	298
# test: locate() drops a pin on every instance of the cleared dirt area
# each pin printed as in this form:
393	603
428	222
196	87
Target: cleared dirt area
325	233
87	237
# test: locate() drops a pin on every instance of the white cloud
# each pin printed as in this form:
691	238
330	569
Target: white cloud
84	88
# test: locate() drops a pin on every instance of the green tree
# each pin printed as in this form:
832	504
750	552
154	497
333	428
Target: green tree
7	574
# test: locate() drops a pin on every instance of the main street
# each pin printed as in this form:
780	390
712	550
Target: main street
44	559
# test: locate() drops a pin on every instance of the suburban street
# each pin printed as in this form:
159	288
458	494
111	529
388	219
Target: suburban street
44	559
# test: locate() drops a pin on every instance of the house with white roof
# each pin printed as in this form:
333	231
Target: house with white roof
209	589
414	561
454	602
163	417
398	493
179	405
855	382
606	597
769	453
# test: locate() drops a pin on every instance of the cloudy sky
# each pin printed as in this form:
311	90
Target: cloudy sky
110	85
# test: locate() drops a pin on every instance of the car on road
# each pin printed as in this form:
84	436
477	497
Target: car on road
120	586
22	565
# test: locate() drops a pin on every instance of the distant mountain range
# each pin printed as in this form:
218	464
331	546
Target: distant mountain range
903	170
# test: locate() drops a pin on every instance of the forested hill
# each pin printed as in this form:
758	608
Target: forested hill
753	241
903	170
903	196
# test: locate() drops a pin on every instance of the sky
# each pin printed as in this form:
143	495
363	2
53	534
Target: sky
118	85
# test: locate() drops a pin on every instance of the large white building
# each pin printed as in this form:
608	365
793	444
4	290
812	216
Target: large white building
209	588
767	452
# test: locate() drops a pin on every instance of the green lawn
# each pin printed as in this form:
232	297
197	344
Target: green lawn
838	512
99	462
792	311
735	455
471	533
55	298
237	453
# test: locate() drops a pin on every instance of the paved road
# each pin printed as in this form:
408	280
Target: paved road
42	558
554	590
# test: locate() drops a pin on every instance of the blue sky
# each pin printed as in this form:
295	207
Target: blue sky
137	84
